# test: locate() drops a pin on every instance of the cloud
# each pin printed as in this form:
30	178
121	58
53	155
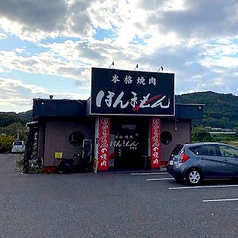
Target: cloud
45	15
61	40
18	96
41	63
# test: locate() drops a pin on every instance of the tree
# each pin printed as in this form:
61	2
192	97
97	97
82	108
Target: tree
200	134
17	130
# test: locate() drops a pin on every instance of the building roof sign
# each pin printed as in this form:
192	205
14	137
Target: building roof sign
123	92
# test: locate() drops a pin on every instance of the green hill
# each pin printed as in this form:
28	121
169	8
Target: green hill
25	116
220	111
8	118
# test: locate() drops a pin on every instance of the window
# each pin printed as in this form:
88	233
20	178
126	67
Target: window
166	137
18	143
209	150
76	138
179	149
228	151
129	127
196	150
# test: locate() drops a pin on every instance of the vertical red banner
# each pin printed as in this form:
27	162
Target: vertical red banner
103	143
155	143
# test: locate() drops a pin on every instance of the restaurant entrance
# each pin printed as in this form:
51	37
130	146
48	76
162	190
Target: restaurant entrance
128	143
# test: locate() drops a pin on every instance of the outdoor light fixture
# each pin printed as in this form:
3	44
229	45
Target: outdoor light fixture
161	68
137	66
112	64
176	125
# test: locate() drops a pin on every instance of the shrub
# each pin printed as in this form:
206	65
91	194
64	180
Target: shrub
6	143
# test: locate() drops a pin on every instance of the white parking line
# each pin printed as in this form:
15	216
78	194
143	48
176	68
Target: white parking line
152	173
221	200
200	187
159	179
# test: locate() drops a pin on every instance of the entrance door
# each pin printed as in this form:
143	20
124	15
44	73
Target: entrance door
129	143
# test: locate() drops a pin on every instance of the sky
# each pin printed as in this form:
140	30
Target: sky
49	47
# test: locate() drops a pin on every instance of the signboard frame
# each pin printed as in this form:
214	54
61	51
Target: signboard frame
137	93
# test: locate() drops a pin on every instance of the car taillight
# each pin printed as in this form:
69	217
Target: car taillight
184	158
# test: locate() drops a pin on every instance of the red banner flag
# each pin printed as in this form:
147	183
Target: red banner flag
155	143
103	143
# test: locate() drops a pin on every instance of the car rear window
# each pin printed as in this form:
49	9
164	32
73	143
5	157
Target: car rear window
196	150
18	143
177	149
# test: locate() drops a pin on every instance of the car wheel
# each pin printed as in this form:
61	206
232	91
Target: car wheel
194	177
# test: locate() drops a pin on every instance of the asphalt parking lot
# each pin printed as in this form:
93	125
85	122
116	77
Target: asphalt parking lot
121	204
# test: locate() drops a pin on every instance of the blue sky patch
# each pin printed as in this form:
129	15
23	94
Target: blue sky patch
11	43
139	40
102	34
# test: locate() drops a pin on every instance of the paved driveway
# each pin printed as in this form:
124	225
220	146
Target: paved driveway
112	205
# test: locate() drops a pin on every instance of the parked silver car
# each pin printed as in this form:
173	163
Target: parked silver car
18	146
198	161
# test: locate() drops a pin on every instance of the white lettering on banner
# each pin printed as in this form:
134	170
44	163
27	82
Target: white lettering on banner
155	143
124	143
119	101
145	102
156	154
115	78
103	156
141	80
99	98
134	100
156	161
104	163
108	101
129	80
104	143
152	80
103	150
159	103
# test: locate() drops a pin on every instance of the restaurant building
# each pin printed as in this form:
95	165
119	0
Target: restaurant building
130	122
